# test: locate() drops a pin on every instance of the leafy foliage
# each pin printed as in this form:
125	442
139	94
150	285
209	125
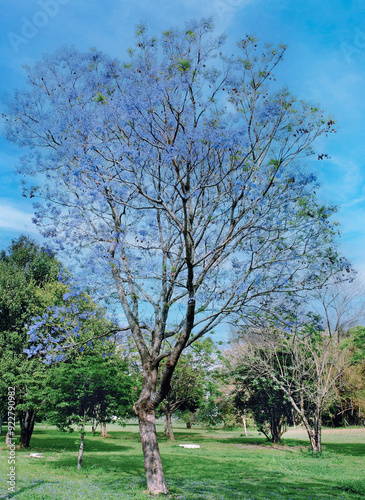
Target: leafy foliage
28	285
90	386
267	403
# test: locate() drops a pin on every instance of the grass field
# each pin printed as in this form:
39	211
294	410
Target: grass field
227	466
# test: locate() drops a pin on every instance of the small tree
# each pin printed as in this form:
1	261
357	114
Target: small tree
174	178
92	386
306	366
271	410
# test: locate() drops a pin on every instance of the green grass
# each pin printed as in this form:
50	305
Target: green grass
227	466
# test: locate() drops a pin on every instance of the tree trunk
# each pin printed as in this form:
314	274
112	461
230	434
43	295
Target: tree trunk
27	420
277	428
168	424
94	425
81	449
104	432
318	431
156	482
275	434
300	411
244	424
8	439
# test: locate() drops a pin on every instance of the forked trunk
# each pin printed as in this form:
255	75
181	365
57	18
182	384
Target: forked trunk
104	432
156	482
277	428
314	437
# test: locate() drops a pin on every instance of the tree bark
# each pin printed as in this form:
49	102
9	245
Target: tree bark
244	424
104	432
8	439
168	423
94	425
80	456
318	431
156	482
27	420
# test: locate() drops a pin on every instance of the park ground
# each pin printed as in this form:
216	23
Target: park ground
227	465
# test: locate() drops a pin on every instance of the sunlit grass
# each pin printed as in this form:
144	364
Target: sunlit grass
227	466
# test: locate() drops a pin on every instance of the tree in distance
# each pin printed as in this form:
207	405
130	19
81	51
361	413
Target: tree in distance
267	403
341	305
304	367
192	383
94	385
174	180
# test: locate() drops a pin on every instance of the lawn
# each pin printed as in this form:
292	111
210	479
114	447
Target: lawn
227	466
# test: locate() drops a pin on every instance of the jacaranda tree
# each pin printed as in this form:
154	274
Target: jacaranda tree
174	178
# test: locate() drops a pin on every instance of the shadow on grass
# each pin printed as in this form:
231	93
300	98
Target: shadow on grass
348	449
253	488
108	463
69	442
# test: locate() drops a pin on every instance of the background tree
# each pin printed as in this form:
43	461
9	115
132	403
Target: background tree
174	178
341	305
192	383
28	286
306	366
271	410
30	294
341	308
350	404
86	387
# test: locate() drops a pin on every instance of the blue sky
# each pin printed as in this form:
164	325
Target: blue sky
325	63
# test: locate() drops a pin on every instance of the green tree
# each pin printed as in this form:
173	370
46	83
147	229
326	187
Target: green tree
91	386
29	290
28	285
350	407
271	410
191	383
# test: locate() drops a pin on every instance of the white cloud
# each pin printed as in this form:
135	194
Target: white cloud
15	219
